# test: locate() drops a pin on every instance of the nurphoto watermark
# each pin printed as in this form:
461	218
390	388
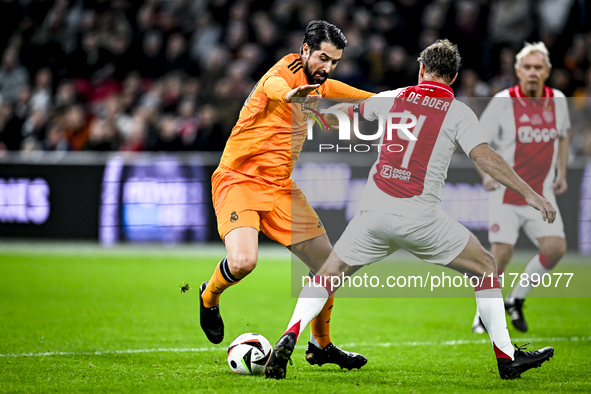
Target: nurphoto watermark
402	123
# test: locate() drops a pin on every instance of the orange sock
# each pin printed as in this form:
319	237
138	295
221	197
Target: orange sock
220	281
320	326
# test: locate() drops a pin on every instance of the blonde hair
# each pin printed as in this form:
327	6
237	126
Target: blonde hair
530	48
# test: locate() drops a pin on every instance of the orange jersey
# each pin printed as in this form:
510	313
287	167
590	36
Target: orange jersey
266	140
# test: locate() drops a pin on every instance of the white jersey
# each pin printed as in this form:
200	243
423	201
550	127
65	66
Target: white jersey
408	179
525	132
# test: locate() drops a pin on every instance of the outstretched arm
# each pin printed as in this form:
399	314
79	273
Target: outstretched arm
493	164
277	88
487	181
340	91
303	91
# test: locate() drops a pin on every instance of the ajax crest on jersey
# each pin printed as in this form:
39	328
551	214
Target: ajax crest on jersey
248	354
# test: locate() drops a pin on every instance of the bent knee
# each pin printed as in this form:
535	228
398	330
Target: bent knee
555	252
242	265
489	264
483	264
502	253
505	256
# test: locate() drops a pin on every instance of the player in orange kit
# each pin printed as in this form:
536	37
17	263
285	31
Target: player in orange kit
252	189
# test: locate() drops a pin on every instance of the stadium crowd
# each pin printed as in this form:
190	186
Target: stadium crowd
172	75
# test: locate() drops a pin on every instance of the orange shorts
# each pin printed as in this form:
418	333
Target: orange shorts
281	212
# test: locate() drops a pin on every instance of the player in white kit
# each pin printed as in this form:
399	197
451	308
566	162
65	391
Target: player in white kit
528	125
400	206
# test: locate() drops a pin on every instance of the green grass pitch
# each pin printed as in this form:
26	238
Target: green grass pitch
87	319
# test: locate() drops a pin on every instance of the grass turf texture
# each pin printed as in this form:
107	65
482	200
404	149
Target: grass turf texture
115	320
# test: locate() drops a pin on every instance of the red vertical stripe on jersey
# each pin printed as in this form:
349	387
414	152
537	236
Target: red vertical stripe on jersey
535	125
431	100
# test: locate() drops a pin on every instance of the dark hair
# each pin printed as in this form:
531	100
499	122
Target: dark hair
318	32
441	59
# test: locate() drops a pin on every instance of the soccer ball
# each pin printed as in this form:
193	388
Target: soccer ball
248	354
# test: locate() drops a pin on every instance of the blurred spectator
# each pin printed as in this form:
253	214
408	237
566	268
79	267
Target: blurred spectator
153	97
350	73
34	127
236	35
471	85
400	69
373	62
167	138
123	64
188	123
151	64
66	95
560	79
56	138
466	27
210	136
76	126
228	102
266	32
256	58
13	76
89	58
214	67
131	92
10	128
113	112
192	90
583	92
184	13
505	78
552	16
11	15
102	137
177	56
41	95
586	146
135	137
57	30
172	91
577	58
23	104
206	37
123	60
510	22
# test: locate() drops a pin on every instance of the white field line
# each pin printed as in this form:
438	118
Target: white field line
547	341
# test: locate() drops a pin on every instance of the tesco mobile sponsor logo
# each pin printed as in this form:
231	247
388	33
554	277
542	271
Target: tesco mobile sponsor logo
24	200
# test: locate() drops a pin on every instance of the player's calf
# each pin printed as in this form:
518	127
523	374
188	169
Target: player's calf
210	319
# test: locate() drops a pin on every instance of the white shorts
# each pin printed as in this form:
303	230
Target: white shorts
505	220
371	236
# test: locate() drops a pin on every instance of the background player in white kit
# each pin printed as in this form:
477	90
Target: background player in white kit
400	207
528	125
